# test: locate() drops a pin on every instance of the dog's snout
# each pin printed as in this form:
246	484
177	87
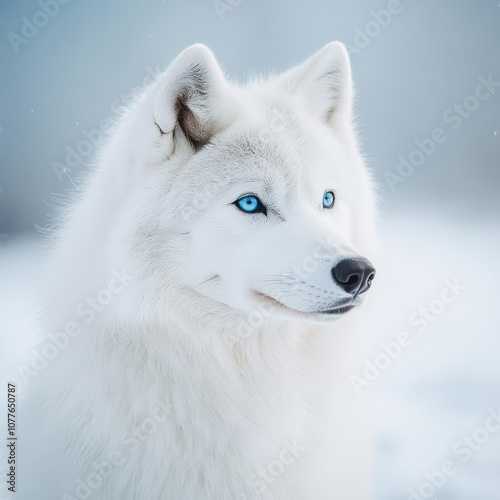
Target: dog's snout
355	275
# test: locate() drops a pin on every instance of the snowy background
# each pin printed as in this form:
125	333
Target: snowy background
416	65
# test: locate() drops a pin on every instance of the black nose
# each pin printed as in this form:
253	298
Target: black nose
354	275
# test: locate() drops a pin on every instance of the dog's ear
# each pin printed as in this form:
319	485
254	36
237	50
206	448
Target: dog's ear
323	82
193	101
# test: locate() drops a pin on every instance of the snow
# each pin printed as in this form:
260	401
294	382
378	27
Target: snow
441	387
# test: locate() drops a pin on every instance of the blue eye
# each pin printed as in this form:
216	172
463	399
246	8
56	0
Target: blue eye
328	199
250	204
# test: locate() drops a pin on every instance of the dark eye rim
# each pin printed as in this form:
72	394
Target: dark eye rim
333	200
261	208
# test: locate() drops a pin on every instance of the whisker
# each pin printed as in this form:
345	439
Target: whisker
212	278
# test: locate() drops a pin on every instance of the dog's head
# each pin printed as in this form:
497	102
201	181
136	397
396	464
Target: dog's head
256	196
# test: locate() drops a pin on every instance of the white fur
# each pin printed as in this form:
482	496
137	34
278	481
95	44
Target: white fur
233	397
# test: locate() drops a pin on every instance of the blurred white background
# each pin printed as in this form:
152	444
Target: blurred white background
417	66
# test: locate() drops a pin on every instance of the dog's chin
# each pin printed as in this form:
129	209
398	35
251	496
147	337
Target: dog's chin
331	314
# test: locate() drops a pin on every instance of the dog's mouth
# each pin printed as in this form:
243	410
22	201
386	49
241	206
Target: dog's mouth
343	306
338	310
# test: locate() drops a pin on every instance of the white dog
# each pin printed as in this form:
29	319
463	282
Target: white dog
192	351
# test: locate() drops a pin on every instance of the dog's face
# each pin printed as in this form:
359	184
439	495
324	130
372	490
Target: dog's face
267	203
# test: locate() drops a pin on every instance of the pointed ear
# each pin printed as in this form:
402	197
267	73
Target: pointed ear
193	100
323	82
